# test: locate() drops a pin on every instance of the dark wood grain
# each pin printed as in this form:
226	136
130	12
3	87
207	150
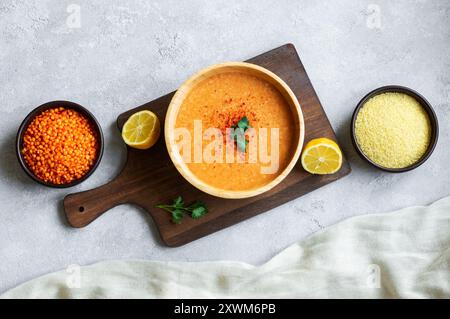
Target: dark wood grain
149	177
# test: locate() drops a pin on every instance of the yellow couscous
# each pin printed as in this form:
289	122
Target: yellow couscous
393	130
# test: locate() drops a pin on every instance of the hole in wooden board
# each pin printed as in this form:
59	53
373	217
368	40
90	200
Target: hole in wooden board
81	209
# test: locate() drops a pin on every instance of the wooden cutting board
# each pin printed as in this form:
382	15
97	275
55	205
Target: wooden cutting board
150	178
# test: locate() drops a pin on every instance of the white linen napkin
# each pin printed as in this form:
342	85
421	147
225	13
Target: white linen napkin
403	254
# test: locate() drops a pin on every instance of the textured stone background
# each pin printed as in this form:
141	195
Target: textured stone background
126	53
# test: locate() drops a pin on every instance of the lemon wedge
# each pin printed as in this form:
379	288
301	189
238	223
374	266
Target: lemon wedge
321	156
141	130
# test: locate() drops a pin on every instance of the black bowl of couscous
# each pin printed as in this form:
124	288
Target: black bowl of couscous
394	128
59	144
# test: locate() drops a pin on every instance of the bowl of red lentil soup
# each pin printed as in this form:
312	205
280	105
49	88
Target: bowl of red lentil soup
59	144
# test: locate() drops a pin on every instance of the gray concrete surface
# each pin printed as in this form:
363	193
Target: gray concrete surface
121	54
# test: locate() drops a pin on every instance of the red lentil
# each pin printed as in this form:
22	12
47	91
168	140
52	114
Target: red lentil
60	146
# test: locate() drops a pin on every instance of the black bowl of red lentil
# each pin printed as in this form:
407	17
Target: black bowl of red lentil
59	144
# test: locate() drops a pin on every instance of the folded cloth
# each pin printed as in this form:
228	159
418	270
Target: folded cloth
404	254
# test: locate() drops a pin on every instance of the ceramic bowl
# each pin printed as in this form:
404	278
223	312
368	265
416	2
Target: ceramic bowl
427	107
50	105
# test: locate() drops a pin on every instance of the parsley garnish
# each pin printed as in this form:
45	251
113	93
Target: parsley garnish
177	210
238	133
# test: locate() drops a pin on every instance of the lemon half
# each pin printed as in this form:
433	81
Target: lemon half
321	156
141	130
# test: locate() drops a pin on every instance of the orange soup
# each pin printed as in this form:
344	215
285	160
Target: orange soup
222	101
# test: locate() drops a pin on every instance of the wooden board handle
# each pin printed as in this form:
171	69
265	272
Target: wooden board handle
83	208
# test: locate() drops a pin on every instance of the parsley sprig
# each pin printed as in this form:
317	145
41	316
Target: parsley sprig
178	209
238	133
